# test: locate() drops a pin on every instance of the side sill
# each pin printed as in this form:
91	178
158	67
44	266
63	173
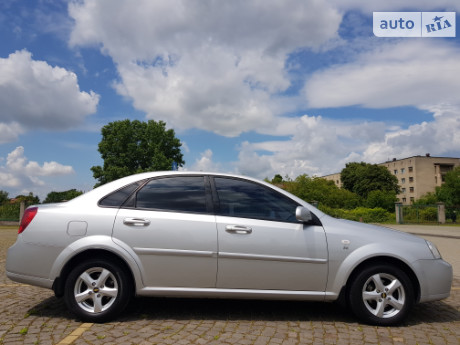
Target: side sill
238	294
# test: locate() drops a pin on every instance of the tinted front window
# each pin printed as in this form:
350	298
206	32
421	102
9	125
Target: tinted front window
239	198
183	193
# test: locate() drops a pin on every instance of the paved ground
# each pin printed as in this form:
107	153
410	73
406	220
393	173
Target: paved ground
30	315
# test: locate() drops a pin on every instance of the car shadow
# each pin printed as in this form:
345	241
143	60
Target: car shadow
252	310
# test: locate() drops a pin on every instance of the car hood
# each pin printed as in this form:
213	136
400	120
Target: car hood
370	232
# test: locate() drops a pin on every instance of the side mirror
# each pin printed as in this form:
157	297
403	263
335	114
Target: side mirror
302	214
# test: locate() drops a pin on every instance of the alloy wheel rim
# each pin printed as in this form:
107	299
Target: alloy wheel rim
96	289
383	295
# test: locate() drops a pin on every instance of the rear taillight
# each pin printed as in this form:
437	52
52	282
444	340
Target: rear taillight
29	214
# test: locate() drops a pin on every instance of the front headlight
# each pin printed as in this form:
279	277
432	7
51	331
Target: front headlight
434	250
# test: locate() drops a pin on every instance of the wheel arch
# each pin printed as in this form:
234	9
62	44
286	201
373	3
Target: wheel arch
59	282
385	260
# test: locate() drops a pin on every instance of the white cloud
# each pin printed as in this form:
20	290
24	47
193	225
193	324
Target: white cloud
35	95
210	65
417	73
21	174
10	132
220	66
317	146
205	163
9	180
436	137
409	73
187	97
370	6
178	26
321	146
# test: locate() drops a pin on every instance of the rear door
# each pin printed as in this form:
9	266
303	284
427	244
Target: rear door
170	225
262	245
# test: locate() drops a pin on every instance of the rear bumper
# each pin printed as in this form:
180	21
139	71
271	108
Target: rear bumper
36	281
29	264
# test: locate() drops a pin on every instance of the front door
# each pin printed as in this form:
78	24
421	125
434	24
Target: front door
262	245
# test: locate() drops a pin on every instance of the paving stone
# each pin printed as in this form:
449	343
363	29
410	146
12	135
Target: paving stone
173	321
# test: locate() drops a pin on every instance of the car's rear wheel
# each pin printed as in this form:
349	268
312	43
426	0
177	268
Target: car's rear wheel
97	290
381	295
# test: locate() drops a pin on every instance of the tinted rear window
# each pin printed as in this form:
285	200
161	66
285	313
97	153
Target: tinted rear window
183	194
117	198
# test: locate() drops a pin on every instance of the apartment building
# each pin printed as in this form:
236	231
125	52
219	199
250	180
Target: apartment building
416	175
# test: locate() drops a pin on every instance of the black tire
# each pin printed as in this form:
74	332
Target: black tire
97	290
381	295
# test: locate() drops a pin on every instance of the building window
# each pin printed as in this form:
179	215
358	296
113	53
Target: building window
411	179
411	169
403	190
395	171
412	199
404	200
411	189
403	180
403	170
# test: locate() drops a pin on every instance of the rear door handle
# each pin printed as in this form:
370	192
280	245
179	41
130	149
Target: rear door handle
238	229
136	221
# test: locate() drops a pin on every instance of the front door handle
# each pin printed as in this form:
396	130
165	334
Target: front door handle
238	229
136	221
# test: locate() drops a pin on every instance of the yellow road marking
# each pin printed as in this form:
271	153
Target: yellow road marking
75	334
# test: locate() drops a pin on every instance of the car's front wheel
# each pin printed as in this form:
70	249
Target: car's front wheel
381	295
97	290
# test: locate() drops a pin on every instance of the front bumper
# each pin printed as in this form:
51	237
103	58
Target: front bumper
435	278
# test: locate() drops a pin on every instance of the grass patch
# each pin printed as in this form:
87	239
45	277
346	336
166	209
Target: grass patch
9	227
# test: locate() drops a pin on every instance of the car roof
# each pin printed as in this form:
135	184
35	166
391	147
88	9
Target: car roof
96	194
109	187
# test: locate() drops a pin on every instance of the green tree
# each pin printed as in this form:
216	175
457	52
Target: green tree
449	192
28	199
62	196
130	147
382	199
323	191
427	199
362	178
277	179
3	197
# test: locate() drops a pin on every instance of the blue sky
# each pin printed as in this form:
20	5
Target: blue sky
252	87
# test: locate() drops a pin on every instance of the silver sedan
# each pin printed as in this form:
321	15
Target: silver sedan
186	234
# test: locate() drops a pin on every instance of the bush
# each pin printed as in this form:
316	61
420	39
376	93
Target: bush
323	191
10	211
429	214
367	215
372	215
419	214
382	199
